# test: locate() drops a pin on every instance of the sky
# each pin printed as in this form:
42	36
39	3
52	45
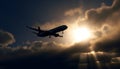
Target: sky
19	46
15	15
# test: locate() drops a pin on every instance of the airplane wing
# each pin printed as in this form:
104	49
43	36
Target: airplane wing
32	28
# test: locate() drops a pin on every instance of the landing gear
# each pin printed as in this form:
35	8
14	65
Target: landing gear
49	36
62	32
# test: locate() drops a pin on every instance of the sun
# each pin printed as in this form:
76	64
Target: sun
81	34
78	34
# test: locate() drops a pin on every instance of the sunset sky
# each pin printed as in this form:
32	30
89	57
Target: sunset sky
91	41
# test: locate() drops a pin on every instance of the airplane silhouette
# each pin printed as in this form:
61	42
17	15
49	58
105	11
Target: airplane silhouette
51	32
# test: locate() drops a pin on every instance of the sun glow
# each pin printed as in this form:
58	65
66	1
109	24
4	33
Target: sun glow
81	34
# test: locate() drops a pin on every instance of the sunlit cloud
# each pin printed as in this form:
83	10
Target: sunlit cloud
74	12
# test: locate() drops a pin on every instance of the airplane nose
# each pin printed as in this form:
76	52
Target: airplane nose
66	27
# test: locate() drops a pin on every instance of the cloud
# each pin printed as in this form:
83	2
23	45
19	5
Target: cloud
41	48
105	21
108	43
31	48
39	54
100	15
46	55
6	38
73	12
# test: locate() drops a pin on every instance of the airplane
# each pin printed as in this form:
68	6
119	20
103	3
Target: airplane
51	32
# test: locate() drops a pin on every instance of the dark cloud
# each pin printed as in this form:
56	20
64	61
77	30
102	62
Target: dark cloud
43	47
43	55
6	38
108	44
29	49
46	55
39	54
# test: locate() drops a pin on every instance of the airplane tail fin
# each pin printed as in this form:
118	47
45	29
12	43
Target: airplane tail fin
39	29
36	29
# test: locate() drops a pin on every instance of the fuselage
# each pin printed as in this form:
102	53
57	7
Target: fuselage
60	28
52	31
